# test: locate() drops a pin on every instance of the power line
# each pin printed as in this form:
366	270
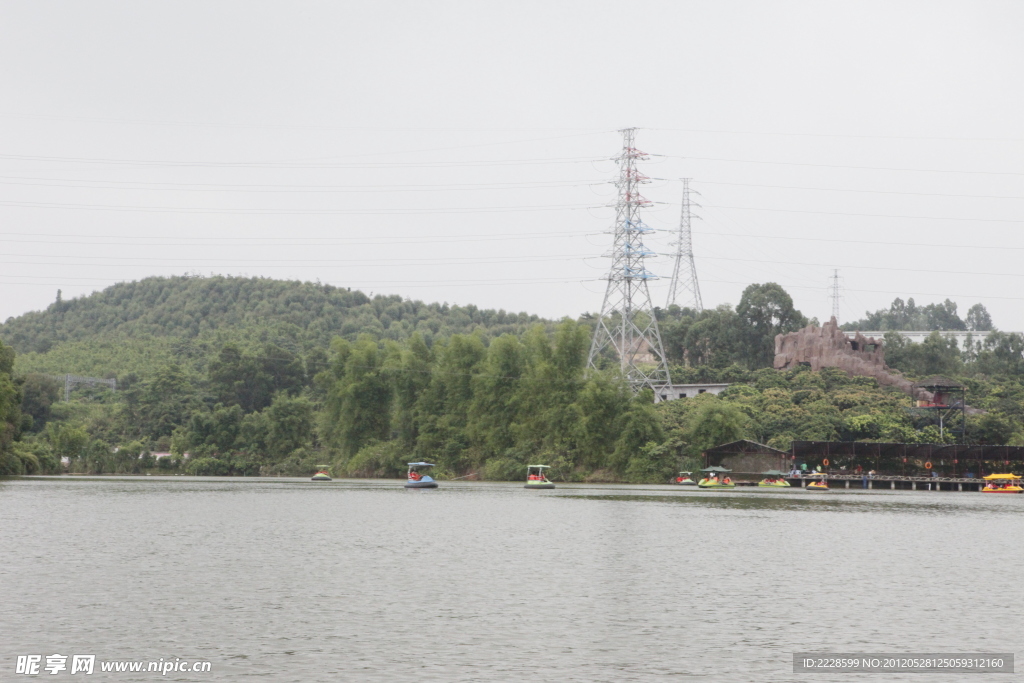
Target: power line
367	284
838	135
289	189
298	164
898	269
885	291
871	242
869	215
273	241
236	124
294	212
862	168
846	189
273	263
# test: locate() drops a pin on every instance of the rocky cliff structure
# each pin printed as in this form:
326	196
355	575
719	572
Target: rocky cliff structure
829	347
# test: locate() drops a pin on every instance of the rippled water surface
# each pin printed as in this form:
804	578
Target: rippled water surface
291	580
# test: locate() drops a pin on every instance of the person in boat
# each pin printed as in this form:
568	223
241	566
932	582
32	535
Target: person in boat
727	481
414	475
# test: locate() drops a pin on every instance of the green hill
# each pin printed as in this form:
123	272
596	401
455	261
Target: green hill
133	327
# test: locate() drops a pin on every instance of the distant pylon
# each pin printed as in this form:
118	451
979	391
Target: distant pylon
684	273
835	294
627	322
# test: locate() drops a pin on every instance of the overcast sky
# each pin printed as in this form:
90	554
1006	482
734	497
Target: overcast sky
460	151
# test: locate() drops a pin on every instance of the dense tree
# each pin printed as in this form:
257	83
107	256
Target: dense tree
978	319
165	402
903	317
38	394
290	420
10	413
443	408
496	406
251	380
412	376
357	408
936	355
715	422
763	312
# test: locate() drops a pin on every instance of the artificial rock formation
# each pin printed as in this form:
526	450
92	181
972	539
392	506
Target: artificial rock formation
829	347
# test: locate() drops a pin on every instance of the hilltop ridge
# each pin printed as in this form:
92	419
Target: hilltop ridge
119	328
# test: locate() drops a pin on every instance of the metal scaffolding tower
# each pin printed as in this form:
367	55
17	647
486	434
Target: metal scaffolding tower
627	322
834	293
684	273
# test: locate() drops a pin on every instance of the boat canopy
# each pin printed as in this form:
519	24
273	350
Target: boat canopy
421	464
774	473
715	469
540	466
1002	476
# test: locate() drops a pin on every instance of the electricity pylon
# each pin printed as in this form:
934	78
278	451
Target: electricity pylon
835	294
627	321
684	273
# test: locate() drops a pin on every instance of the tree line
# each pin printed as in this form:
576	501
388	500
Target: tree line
252	399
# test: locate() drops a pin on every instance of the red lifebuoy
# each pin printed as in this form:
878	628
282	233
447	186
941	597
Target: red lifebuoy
825	462
927	465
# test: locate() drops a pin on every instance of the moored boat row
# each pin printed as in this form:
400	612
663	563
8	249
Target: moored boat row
714	478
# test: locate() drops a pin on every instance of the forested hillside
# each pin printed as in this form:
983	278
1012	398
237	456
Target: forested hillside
252	376
134	327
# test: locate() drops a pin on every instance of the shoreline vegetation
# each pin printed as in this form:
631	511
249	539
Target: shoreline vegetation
259	377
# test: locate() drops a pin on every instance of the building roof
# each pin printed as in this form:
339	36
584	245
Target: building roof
937	382
921	451
743	446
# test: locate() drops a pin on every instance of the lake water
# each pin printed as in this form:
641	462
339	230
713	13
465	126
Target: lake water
291	580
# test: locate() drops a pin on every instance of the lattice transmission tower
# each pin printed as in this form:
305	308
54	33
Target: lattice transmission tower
684	272
834	293
627	323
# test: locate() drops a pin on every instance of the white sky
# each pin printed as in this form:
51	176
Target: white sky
458	151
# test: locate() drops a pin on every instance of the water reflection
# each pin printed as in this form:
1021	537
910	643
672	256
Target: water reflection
811	501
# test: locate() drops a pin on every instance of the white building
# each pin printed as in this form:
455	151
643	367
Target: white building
671	392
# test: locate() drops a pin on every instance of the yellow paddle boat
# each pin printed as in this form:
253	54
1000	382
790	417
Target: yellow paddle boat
1002	483
818	485
716	478
321	474
774	479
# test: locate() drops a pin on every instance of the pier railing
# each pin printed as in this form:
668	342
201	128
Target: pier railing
891	481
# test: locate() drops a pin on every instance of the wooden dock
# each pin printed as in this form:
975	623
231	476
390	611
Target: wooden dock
891	482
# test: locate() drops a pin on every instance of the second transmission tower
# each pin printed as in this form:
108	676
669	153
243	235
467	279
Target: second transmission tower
834	293
627	323
684	273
